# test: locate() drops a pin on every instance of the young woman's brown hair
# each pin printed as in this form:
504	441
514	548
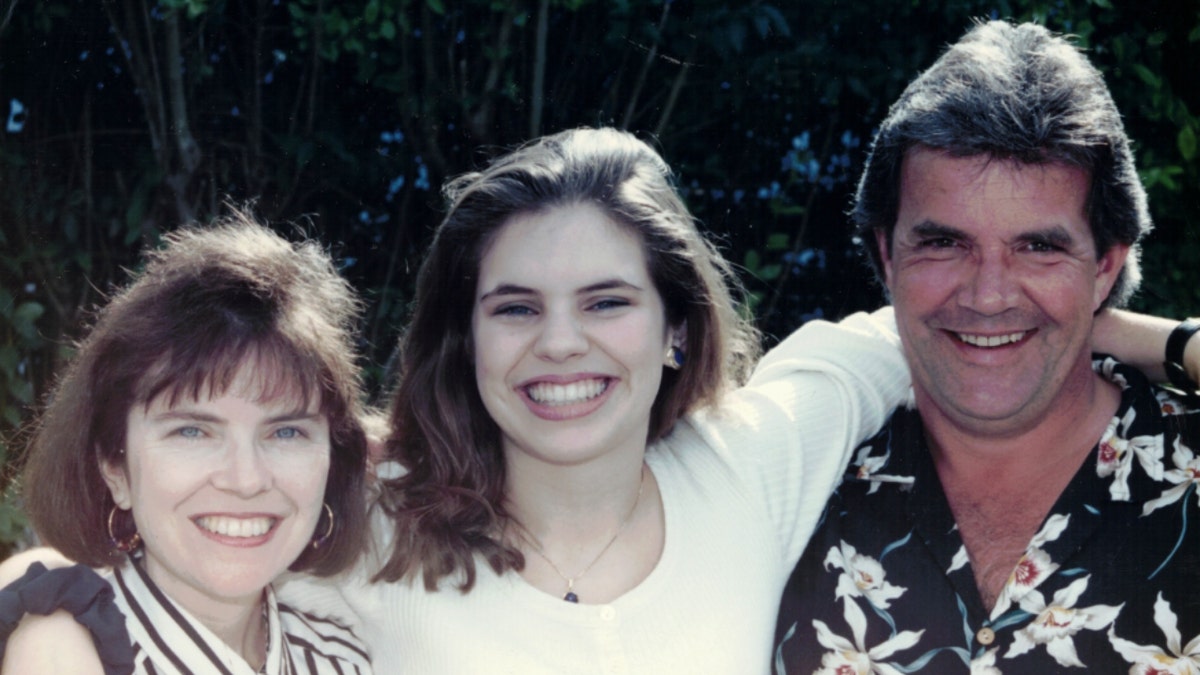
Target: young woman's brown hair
447	507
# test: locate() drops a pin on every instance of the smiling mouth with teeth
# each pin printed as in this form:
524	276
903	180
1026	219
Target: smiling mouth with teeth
991	340
236	527
550	394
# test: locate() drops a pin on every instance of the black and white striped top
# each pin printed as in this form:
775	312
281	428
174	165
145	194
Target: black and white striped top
169	641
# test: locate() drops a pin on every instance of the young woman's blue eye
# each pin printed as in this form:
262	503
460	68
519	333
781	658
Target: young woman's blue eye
610	303
189	432
513	310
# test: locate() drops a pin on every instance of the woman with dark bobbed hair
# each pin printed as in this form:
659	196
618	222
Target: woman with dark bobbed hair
205	438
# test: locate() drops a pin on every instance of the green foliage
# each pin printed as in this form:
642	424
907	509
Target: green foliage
346	116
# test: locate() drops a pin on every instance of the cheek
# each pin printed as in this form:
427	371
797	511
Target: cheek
304	478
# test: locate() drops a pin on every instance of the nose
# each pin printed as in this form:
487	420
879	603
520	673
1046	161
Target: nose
244	470
992	285
562	336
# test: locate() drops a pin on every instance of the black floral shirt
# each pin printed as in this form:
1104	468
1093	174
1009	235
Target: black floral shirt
1110	583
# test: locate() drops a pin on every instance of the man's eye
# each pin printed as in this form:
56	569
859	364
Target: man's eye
1044	247
938	242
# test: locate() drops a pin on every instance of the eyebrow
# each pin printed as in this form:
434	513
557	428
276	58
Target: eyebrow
603	285
196	416
928	228
1056	235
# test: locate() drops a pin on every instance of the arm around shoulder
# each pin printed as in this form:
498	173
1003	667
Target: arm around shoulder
862	353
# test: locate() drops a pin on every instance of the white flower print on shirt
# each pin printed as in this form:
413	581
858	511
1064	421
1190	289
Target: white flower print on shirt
1153	660
985	664
1056	623
862	576
1034	567
846	657
1117	452
869	466
1185	475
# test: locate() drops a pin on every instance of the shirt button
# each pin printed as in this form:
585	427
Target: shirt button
986	636
608	613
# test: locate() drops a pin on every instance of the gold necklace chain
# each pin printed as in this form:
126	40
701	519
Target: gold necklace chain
536	544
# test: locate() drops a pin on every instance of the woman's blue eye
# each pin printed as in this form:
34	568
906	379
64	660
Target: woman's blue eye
190	432
610	303
288	433
514	310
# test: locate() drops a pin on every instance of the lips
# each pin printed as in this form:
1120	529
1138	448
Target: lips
555	394
238	528
991	341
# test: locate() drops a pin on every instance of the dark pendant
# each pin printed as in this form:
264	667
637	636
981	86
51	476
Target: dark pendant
571	597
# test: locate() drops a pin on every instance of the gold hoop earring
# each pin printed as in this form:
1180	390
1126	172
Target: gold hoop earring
127	544
673	358
320	541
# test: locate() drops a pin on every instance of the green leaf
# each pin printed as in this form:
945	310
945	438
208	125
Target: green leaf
25	318
1146	75
770	272
1187	143
8	360
436	6
387	29
21	390
752	260
779	241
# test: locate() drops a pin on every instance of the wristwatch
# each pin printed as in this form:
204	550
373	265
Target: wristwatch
1176	343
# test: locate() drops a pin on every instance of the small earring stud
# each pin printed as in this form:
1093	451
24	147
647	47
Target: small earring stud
674	358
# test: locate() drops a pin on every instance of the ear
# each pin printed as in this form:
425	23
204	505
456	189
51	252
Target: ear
117	480
677	336
1107	268
884	244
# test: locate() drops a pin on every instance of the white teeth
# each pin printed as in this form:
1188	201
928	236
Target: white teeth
990	340
236	527
565	394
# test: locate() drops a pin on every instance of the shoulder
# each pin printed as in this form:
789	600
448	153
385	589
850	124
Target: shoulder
16	565
322	636
69	609
56	643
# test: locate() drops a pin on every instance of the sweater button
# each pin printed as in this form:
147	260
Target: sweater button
985	636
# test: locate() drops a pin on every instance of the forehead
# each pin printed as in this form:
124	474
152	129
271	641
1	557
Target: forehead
256	378
563	246
981	190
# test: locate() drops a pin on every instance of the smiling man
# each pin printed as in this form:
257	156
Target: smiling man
1036	511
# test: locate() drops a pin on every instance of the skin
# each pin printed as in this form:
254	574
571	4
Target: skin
570	338
998	252
995	279
226	492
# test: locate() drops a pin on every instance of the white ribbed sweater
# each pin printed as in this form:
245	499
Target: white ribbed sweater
742	489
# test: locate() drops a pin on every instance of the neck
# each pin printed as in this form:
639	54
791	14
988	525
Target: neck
999	456
572	503
591	494
245	632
